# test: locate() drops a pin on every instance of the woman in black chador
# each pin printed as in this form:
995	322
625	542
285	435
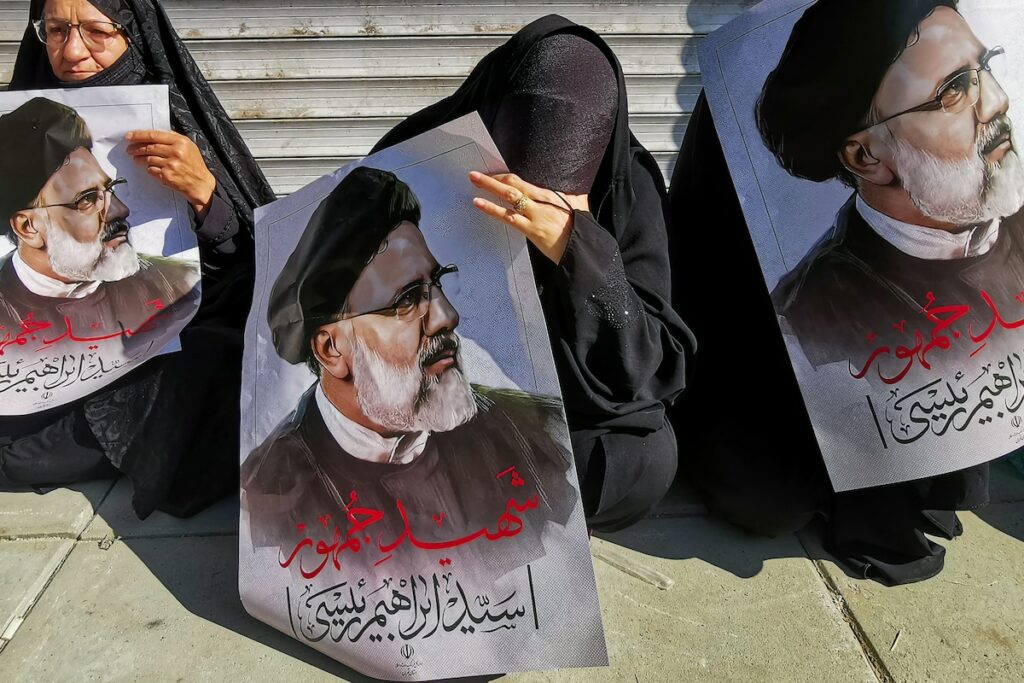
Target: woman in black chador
590	199
171	425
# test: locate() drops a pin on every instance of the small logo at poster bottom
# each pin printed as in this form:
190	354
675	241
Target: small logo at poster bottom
407	651
1017	421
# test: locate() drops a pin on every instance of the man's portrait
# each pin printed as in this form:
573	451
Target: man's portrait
73	282
390	425
902	102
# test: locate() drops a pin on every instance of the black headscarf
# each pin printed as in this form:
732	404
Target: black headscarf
611	195
195	110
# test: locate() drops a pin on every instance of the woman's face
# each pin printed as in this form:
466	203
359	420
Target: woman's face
78	58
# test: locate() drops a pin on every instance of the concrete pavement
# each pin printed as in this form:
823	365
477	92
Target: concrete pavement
88	592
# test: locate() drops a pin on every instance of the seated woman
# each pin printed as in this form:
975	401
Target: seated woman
171	425
590	200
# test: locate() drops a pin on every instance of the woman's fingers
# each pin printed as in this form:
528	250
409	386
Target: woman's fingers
166	137
153	160
534	192
152	149
514	181
516	220
546	225
175	161
503	191
508	187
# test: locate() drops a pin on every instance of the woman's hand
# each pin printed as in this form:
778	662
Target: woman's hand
175	161
542	216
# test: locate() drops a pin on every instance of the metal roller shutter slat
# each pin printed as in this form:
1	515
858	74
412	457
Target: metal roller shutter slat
215	19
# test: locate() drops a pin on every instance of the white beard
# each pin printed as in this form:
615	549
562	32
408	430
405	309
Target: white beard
89	261
403	399
963	192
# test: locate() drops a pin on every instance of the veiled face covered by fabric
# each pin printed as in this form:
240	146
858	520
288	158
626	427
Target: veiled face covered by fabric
517	101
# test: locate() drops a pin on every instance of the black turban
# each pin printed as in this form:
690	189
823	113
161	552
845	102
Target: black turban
36	138
822	89
343	235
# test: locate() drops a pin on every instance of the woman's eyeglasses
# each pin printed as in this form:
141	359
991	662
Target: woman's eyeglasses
96	35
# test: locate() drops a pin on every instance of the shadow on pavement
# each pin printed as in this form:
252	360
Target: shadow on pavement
1006	511
680	528
206	584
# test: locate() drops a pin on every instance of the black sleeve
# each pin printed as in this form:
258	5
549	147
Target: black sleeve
625	346
222	244
218	229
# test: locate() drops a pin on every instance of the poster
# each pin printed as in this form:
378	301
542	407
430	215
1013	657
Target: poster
99	267
409	499
874	151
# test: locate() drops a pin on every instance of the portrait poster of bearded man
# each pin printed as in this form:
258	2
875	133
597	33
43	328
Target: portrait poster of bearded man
874	150
99	270
409	498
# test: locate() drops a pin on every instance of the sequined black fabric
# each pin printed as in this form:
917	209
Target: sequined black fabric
615	302
116	416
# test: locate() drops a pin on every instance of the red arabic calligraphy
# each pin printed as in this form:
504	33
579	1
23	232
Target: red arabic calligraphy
516	480
941	338
509	524
32	330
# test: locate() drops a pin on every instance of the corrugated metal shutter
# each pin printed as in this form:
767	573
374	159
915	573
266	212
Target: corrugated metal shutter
312	84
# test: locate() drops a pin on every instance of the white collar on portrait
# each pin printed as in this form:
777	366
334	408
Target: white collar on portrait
44	285
929	243
366	444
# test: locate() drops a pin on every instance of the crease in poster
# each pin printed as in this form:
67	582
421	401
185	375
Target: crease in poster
410	504
99	267
874	150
